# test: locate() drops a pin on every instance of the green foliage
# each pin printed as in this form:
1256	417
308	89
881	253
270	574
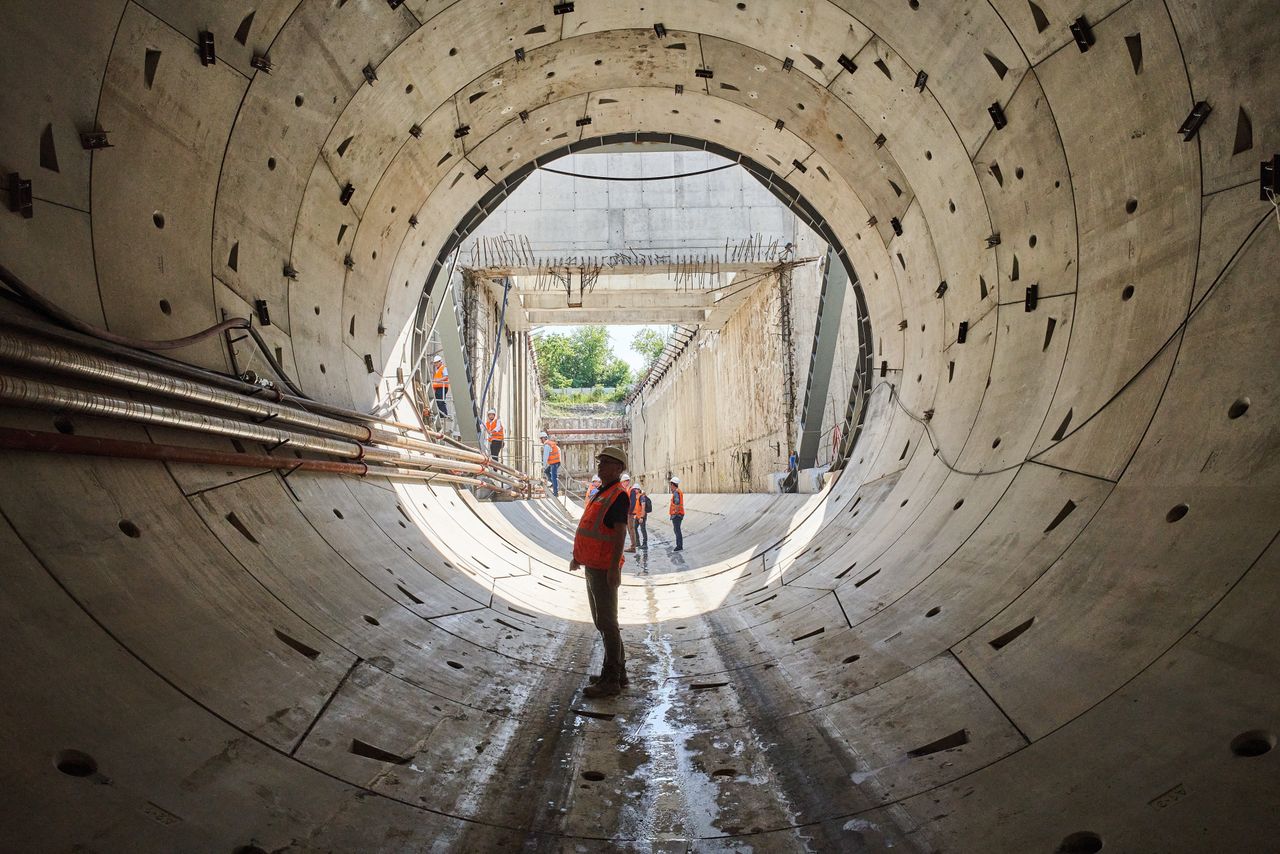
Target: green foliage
598	394
648	343
581	359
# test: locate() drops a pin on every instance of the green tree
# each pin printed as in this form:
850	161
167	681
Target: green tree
648	343
581	359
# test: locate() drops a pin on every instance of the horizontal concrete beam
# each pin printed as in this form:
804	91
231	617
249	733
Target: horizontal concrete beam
574	316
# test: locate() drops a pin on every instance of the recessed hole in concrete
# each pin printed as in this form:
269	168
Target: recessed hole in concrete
297	645
74	763
704	686
1176	513
850	659
1067	510
1004	639
690	655
1018	173
865	579
371	620
165	308
63	425
593	776
453	51
1127	293
724	772
1255	742
338	513
904	502
271	163
158	219
928	155
1131	206
1240	407
408	89
129	529
947	742
369	751
297	100
933	612
322	369
1083	842
455	665
996	443
317	311
1031	241
958	504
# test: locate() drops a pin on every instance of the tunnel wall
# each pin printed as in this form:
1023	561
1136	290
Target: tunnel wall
1089	599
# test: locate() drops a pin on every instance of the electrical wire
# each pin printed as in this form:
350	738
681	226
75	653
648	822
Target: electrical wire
641	178
35	300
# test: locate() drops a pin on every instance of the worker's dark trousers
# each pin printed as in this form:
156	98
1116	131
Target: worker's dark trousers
553	472
675	523
603	597
495	448
440	404
642	534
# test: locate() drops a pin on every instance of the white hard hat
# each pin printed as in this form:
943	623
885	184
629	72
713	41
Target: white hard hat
492	412
625	476
438	358
595	477
542	435
676	481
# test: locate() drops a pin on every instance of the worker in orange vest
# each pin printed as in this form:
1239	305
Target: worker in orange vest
440	384
551	462
639	511
597	547
676	512
594	487
494	432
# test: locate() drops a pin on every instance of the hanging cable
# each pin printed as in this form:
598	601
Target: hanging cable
497	343
640	178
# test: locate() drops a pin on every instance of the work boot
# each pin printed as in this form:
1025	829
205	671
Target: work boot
624	681
602	689
630	551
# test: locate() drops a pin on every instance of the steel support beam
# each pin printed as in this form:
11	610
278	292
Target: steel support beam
461	382
835	282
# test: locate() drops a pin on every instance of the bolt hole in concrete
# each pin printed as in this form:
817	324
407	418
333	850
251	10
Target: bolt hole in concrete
725	772
165	308
297	100
1127	293
1255	742
74	763
408	89
690	655
371	620
850	659
1018	173
1176	513
1031	241
63	425
1240	407
158	219
996	443
271	163
455	665
1083	842
129	529
1131	206
593	776
338	513
958	504
928	155
933	612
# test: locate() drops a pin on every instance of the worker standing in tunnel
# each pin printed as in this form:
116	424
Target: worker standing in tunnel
593	487
440	384
551	462
627	488
597	547
494	432
640	506
676	512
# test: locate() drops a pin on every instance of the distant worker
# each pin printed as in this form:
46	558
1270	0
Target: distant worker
594	487
676	511
631	524
640	507
597	546
440	384
551	462
494	432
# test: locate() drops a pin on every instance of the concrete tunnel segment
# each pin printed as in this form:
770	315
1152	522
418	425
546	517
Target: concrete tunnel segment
1057	591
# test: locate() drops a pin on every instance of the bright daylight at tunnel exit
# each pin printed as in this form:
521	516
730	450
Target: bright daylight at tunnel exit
681	426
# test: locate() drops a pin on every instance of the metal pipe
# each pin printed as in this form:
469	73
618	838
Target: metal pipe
593	431
34	440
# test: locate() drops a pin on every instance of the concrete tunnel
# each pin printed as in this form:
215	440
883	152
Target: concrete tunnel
1034	613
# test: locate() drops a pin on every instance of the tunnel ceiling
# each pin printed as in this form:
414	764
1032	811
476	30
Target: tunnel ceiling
1053	551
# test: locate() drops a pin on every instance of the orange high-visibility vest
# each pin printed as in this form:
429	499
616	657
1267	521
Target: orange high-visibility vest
594	545
554	456
677	502
440	379
639	512
494	429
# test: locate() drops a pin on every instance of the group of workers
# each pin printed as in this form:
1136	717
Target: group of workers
615	508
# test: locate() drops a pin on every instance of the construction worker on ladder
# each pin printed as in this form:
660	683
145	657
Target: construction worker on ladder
440	384
494	433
